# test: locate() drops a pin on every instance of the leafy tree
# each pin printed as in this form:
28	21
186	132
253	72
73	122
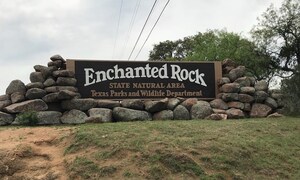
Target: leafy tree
278	34
215	45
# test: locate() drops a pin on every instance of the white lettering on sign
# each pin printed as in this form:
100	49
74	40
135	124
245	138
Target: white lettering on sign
177	73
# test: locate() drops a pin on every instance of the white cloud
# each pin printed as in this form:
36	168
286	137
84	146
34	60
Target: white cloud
33	30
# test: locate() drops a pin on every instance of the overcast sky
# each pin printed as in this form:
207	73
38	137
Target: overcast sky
33	30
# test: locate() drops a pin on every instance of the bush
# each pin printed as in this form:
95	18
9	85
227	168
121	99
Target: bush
28	118
291	90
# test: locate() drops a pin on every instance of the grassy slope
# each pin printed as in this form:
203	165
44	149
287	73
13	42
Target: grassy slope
239	149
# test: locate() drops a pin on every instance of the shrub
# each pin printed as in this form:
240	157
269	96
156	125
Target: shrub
28	118
291	90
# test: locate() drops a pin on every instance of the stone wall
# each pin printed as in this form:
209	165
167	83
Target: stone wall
53	95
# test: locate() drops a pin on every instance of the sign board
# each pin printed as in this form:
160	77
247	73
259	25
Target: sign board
145	79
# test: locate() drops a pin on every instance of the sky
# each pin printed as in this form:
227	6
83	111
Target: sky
31	31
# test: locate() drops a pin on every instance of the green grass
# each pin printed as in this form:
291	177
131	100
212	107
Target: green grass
233	149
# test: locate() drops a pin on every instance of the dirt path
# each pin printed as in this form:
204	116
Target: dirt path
33	153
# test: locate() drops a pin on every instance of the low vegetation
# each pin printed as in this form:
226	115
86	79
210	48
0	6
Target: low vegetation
233	149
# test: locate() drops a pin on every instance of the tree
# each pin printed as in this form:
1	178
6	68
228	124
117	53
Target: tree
215	45
278	34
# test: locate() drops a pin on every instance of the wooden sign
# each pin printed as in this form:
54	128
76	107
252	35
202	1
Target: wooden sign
145	79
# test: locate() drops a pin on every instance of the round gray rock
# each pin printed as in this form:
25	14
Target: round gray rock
271	103
243	81
60	88
246	98
50	98
57	57
218	104
73	117
172	103
104	115
236	105
49	82
16	86
35	93
260	110
230	97
37	77
181	113
247	90
125	114
236	73
260	96
201	110
5	119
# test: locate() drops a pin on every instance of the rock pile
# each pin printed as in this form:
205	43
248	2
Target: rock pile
53	95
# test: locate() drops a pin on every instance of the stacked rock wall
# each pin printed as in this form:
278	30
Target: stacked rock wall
54	97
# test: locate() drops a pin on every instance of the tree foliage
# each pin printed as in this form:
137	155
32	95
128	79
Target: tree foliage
278	34
215	45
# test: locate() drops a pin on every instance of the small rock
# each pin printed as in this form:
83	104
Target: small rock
271	103
79	104
50	98
74	117
235	113
260	110
48	117
230	97
230	88
125	114
107	104
188	103
35	93
261	86
133	104
275	115
34	85
260	96
172	103
164	115
37	77
46	71
247	107
236	105
236	73
228	62
219	111
57	64
5	119
246	98
247	90
243	81
57	57
4	104
201	110
218	104
66	94
223	80
217	117
63	73
181	113
29	105
16	86
101	113
66	81
49	82
17	97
